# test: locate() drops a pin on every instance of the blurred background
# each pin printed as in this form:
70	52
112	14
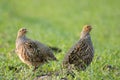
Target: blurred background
60	19
59	23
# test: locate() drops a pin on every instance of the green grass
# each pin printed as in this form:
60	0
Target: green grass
59	23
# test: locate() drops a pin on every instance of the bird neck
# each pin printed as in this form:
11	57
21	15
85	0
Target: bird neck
84	35
21	37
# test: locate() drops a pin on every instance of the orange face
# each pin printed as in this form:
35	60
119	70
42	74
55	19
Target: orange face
22	31
87	28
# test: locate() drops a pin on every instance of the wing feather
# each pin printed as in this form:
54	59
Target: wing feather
80	54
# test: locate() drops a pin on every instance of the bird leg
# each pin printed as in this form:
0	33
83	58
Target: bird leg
36	67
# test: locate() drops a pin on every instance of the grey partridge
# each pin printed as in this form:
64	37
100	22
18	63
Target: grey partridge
32	52
81	54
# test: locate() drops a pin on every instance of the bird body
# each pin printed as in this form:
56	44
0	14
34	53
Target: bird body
32	52
81	54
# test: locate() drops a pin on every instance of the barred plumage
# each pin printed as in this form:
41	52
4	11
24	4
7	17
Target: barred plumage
81	54
32	52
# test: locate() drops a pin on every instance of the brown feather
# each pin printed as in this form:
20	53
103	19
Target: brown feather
81	54
32	52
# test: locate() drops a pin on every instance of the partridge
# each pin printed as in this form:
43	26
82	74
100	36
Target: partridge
32	52
81	54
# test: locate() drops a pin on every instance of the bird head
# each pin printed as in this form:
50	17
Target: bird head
87	28
85	31
22	32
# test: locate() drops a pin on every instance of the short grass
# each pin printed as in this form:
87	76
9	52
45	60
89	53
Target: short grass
59	23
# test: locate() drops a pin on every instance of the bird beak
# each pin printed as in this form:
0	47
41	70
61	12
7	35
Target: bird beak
26	30
91	28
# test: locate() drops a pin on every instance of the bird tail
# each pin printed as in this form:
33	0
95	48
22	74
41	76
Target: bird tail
55	49
55	59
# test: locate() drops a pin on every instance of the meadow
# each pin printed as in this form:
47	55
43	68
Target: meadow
59	23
